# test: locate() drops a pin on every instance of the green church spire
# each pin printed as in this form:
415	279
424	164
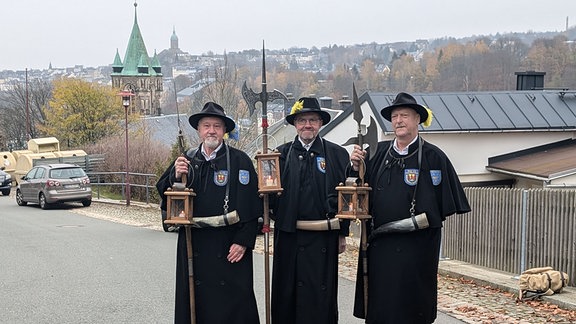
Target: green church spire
136	59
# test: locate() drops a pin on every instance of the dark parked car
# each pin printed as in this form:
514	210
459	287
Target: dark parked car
5	183
52	184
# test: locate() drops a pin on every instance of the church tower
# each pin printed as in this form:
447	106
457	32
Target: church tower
174	39
139	73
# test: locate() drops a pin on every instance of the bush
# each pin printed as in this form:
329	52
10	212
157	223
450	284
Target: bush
145	156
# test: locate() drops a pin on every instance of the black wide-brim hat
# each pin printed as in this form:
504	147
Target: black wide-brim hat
307	105
404	100
212	109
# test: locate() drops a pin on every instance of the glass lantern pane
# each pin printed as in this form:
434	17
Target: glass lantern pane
268	173
347	202
177	208
363	203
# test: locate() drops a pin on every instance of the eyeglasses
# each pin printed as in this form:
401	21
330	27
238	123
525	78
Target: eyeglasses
312	121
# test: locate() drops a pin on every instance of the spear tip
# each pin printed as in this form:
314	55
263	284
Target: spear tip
357	110
263	63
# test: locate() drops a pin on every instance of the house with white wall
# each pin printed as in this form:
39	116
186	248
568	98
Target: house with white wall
481	130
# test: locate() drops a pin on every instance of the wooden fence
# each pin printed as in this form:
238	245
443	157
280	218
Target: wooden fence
88	162
515	229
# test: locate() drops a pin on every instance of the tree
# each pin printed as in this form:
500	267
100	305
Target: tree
13	106
146	157
406	75
81	112
370	77
223	87
556	58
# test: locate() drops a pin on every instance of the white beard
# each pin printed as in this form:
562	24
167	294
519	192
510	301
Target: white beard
211	142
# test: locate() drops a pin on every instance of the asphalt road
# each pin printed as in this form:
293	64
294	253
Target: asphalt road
61	267
57	266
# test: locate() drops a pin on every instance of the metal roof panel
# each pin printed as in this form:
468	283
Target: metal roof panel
535	109
477	112
507	106
489	111
562	106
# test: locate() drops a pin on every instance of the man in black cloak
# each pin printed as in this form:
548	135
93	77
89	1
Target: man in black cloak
223	178
414	189
307	237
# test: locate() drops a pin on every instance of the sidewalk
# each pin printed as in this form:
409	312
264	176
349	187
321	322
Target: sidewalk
501	280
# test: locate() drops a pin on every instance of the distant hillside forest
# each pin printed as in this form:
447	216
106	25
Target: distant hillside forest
486	63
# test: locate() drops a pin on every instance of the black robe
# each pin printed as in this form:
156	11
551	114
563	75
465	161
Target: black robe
223	290
305	264
403	267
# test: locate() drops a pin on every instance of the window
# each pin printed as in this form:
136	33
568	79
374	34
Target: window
39	173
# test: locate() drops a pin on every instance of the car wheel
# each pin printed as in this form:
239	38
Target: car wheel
6	192
42	202
86	203
19	199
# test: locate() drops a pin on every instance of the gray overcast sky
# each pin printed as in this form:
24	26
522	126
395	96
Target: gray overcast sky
34	33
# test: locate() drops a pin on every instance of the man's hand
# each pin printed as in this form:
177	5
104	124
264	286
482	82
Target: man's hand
180	167
236	253
357	156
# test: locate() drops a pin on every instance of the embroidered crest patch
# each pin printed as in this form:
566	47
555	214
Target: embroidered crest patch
221	177
436	177
244	177
321	164
411	176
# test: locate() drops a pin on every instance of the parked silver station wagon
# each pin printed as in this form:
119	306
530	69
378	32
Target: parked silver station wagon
52	184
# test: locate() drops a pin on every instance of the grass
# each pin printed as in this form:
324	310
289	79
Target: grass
107	192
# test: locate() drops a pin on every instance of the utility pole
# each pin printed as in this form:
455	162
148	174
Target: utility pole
28	128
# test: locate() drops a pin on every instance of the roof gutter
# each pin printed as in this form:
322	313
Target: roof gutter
564	173
518	174
557	186
535	177
495	131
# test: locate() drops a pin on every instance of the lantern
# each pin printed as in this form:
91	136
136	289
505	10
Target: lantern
353	200
126	98
179	205
268	166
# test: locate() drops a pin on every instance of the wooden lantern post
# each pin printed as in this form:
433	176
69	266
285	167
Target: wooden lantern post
354	194
179	211
268	169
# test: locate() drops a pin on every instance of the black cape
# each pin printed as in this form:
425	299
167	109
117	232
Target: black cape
305	264
402	267
223	290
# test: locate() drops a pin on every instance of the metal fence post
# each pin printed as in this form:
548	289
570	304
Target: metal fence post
147	191
102	180
441	256
523	231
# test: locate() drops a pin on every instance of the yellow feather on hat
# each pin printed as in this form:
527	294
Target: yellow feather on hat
298	105
428	120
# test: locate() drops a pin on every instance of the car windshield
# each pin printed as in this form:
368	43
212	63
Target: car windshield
67	173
